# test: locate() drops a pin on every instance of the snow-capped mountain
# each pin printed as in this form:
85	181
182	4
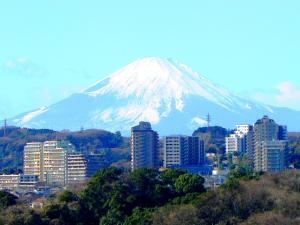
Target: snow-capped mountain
170	95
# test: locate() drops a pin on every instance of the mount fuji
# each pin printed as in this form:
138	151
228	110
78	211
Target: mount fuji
170	95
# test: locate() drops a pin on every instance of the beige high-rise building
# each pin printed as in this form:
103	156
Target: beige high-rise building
49	161
269	150
144	147
33	159
54	160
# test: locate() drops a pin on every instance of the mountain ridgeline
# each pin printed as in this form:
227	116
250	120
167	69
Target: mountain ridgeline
157	90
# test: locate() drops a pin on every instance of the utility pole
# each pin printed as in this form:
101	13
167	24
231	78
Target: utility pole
208	120
4	127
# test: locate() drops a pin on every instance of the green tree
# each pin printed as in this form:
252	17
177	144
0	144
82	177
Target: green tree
98	192
67	196
148	187
7	199
140	216
188	183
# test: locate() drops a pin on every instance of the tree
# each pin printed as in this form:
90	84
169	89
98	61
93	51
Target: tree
67	196
7	199
98	192
177	215
140	216
188	183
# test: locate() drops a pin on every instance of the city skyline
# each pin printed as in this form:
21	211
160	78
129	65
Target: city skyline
48	52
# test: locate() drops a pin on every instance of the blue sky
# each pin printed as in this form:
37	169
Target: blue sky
50	49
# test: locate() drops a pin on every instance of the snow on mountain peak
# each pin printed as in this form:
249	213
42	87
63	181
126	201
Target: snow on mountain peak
167	93
158	79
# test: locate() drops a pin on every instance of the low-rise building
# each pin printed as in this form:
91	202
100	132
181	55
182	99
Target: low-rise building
15	181
28	182
9	181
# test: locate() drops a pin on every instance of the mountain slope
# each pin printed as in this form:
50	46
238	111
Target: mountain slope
170	95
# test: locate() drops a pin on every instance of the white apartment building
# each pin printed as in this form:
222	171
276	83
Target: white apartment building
233	144
241	140
77	168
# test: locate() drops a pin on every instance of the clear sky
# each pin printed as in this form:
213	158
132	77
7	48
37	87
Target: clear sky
52	48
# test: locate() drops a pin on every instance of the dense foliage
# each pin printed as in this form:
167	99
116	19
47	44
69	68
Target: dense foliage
12	144
294	149
171	197
6	199
114	197
262	200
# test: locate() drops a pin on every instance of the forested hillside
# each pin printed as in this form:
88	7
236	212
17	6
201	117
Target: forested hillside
13	141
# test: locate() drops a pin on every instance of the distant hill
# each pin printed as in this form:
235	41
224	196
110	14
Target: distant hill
214	137
12	144
294	136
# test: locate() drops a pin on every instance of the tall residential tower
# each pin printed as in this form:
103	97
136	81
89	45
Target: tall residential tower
270	146
183	150
144	147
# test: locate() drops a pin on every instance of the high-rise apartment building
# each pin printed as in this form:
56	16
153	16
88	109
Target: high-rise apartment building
250	145
144	147
33	159
57	164
273	155
54	160
95	162
183	150
243	129
76	168
52	163
233	144
196	151
241	140
175	151
282	133
265	129
269	150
